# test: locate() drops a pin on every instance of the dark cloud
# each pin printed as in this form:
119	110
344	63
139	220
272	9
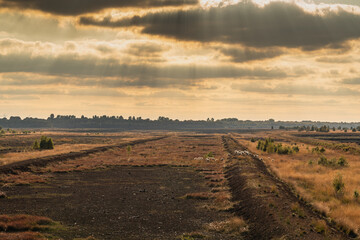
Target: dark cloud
277	24
146	49
77	7
69	67
249	54
354	81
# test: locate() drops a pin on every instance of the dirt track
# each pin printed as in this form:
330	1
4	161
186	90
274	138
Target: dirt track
267	204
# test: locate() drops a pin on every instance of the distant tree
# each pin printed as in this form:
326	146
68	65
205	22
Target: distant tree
324	129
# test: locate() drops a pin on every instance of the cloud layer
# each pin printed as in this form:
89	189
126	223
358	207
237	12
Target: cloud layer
77	7
277	24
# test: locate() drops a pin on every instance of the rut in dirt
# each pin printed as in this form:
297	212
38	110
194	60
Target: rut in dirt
269	205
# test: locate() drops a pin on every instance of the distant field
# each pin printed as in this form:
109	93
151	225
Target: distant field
334	136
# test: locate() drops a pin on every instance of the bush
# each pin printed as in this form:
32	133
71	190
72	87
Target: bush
296	149
269	146
209	155
323	161
333	162
318	150
45	143
338	184
356	195
36	145
342	162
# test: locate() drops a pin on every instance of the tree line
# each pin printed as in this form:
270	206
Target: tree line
165	123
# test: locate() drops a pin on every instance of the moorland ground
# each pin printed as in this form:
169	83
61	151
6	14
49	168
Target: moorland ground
184	185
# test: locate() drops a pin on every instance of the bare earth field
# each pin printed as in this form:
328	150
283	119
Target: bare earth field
173	185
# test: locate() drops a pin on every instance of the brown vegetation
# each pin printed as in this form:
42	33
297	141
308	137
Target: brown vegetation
313	173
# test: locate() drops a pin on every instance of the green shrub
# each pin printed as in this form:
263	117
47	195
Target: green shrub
338	184
323	161
209	155
332	162
296	149
269	146
356	195
36	145
45	143
342	162
318	150
128	149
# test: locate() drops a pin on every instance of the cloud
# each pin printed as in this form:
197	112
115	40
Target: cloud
42	28
277	24
347	2
336	60
296	89
353	81
90	70
240	55
77	7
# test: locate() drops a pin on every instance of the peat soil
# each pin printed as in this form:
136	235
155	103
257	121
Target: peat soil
121	202
269	205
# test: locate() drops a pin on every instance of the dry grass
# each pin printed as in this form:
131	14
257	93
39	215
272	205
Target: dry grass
22	236
22	178
234	226
198	196
65	148
65	142
314	182
16	223
26	227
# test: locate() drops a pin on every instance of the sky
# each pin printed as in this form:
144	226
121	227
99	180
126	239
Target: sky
184	59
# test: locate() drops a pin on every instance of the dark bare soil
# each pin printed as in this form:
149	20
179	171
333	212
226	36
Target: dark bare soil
118	203
270	206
